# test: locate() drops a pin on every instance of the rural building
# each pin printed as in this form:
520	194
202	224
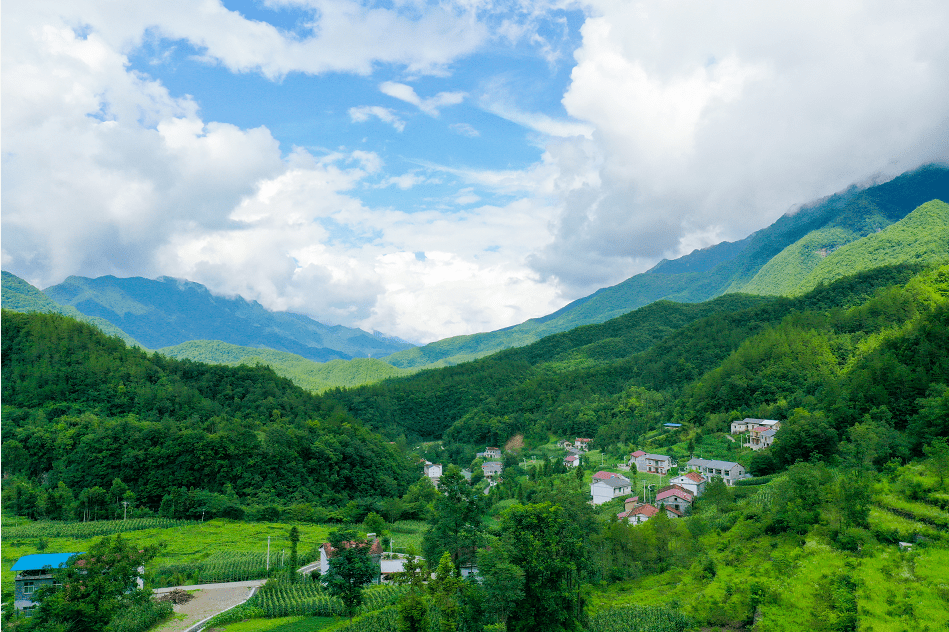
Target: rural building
582	444
675	497
606	490
32	573
692	482
654	463
572	460
728	470
748	423
605	476
638	514
489	453
492	469
761	437
433	471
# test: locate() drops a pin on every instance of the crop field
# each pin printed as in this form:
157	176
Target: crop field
193	546
639	619
282	624
282	599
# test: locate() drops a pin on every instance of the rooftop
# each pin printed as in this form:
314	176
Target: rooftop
39	561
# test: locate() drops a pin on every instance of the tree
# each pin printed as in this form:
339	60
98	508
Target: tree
503	584
546	545
456	524
444	588
413	607
96	586
294	558
803	436
350	569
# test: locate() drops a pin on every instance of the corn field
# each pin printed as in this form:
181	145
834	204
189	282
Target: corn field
283	599
639	619
385	620
82	530
224	566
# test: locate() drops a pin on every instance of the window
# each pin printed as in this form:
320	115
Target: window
28	588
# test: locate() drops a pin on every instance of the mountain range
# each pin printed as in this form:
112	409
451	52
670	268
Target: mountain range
905	220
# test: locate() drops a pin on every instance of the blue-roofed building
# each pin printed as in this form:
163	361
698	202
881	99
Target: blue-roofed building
32	573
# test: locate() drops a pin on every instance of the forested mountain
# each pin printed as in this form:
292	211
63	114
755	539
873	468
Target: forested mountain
20	296
798	241
81	409
873	346
166	312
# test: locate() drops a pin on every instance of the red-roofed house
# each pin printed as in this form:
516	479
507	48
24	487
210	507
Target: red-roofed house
640	513
605	476
692	482
571	461
675	497
582	444
673	513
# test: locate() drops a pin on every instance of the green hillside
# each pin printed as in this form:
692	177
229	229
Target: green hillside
920	237
84	410
313	376
20	296
836	251
725	267
166	312
873	341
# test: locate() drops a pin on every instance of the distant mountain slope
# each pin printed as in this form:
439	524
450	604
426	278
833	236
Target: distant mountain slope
920	237
704	274
166	312
20	296
313	376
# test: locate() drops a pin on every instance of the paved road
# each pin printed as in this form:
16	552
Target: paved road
209	600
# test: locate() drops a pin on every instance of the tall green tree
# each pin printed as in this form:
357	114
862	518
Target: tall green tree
294	538
351	569
96	587
547	546
456	525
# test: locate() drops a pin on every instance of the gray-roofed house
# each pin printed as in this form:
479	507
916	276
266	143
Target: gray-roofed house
492	469
608	489
728	470
654	463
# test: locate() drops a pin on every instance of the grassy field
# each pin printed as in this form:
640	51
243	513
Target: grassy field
193	542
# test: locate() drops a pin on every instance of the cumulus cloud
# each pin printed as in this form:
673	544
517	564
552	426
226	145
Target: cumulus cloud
711	123
430	106
363	113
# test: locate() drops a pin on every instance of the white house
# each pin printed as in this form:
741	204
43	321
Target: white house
748	423
728	470
606	490
654	463
572	460
492	469
638	514
433	471
693	482
582	444
605	476
490	453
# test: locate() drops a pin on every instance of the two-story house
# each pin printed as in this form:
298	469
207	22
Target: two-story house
728	470
32	573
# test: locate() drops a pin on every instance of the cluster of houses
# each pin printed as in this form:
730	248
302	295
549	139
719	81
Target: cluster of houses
760	432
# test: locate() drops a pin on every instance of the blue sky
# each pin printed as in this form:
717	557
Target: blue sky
429	169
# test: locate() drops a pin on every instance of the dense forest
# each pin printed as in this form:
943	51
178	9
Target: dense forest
82	412
870	346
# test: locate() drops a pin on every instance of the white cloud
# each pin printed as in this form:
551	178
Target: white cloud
363	113
430	106
465	130
711	121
